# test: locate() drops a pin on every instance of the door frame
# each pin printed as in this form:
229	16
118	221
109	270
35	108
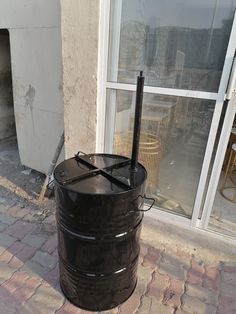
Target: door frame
218	162
104	84
207	204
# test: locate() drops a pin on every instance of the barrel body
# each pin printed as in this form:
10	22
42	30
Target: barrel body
98	245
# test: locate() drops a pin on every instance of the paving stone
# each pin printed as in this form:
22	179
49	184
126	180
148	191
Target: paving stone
55	253
16	247
2	200
172	295
226	309
194	305
132	304
69	308
51	245
157	292
34	240
113	311
152	258
87	312
10	201
44	259
49	229
229	267
53	277
27	290
227	305
229	278
50	219
3	208
143	251
34	269
19	229
144	274
179	311
6	240
31	218
13	210
6	256
6	272
197	266
211	277
15	282
3	226
152	306
183	256
7	307
8	220
145	306
15	263
195	273
25	253
22	212
2	249
37	304
171	265
203	294
160	309
194	278
227	291
158	285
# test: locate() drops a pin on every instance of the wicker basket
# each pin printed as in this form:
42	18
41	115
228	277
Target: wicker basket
150	151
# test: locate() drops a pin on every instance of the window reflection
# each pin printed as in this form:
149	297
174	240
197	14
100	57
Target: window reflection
178	44
174	135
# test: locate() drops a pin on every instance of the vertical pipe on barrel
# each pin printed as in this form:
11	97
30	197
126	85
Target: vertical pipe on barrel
137	121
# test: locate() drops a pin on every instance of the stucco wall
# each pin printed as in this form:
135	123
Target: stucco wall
35	40
79	23
7	121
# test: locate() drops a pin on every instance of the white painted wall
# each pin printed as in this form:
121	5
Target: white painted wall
35	39
7	121
80	25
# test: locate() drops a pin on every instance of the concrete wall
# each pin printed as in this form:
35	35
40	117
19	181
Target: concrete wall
35	39
7	121
79	23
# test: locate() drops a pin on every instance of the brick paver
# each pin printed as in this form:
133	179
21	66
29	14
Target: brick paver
8	220
25	253
169	282
20	229
45	259
46	300
68	308
51	245
15	281
6	272
34	240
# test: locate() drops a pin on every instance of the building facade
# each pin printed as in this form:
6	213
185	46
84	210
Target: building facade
186	51
32	47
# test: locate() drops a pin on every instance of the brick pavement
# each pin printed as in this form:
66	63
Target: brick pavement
169	281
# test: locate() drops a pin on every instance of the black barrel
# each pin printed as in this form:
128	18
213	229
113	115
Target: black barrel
99	217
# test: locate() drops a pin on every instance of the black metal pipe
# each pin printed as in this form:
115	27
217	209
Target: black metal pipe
137	121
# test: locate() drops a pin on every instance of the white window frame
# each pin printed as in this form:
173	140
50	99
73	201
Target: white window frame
104	84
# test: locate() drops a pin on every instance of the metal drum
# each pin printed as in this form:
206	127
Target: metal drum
99	217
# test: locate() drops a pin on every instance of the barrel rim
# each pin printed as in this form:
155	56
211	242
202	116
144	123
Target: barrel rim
64	187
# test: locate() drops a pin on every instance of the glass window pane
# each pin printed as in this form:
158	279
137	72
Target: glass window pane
177	43
174	134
